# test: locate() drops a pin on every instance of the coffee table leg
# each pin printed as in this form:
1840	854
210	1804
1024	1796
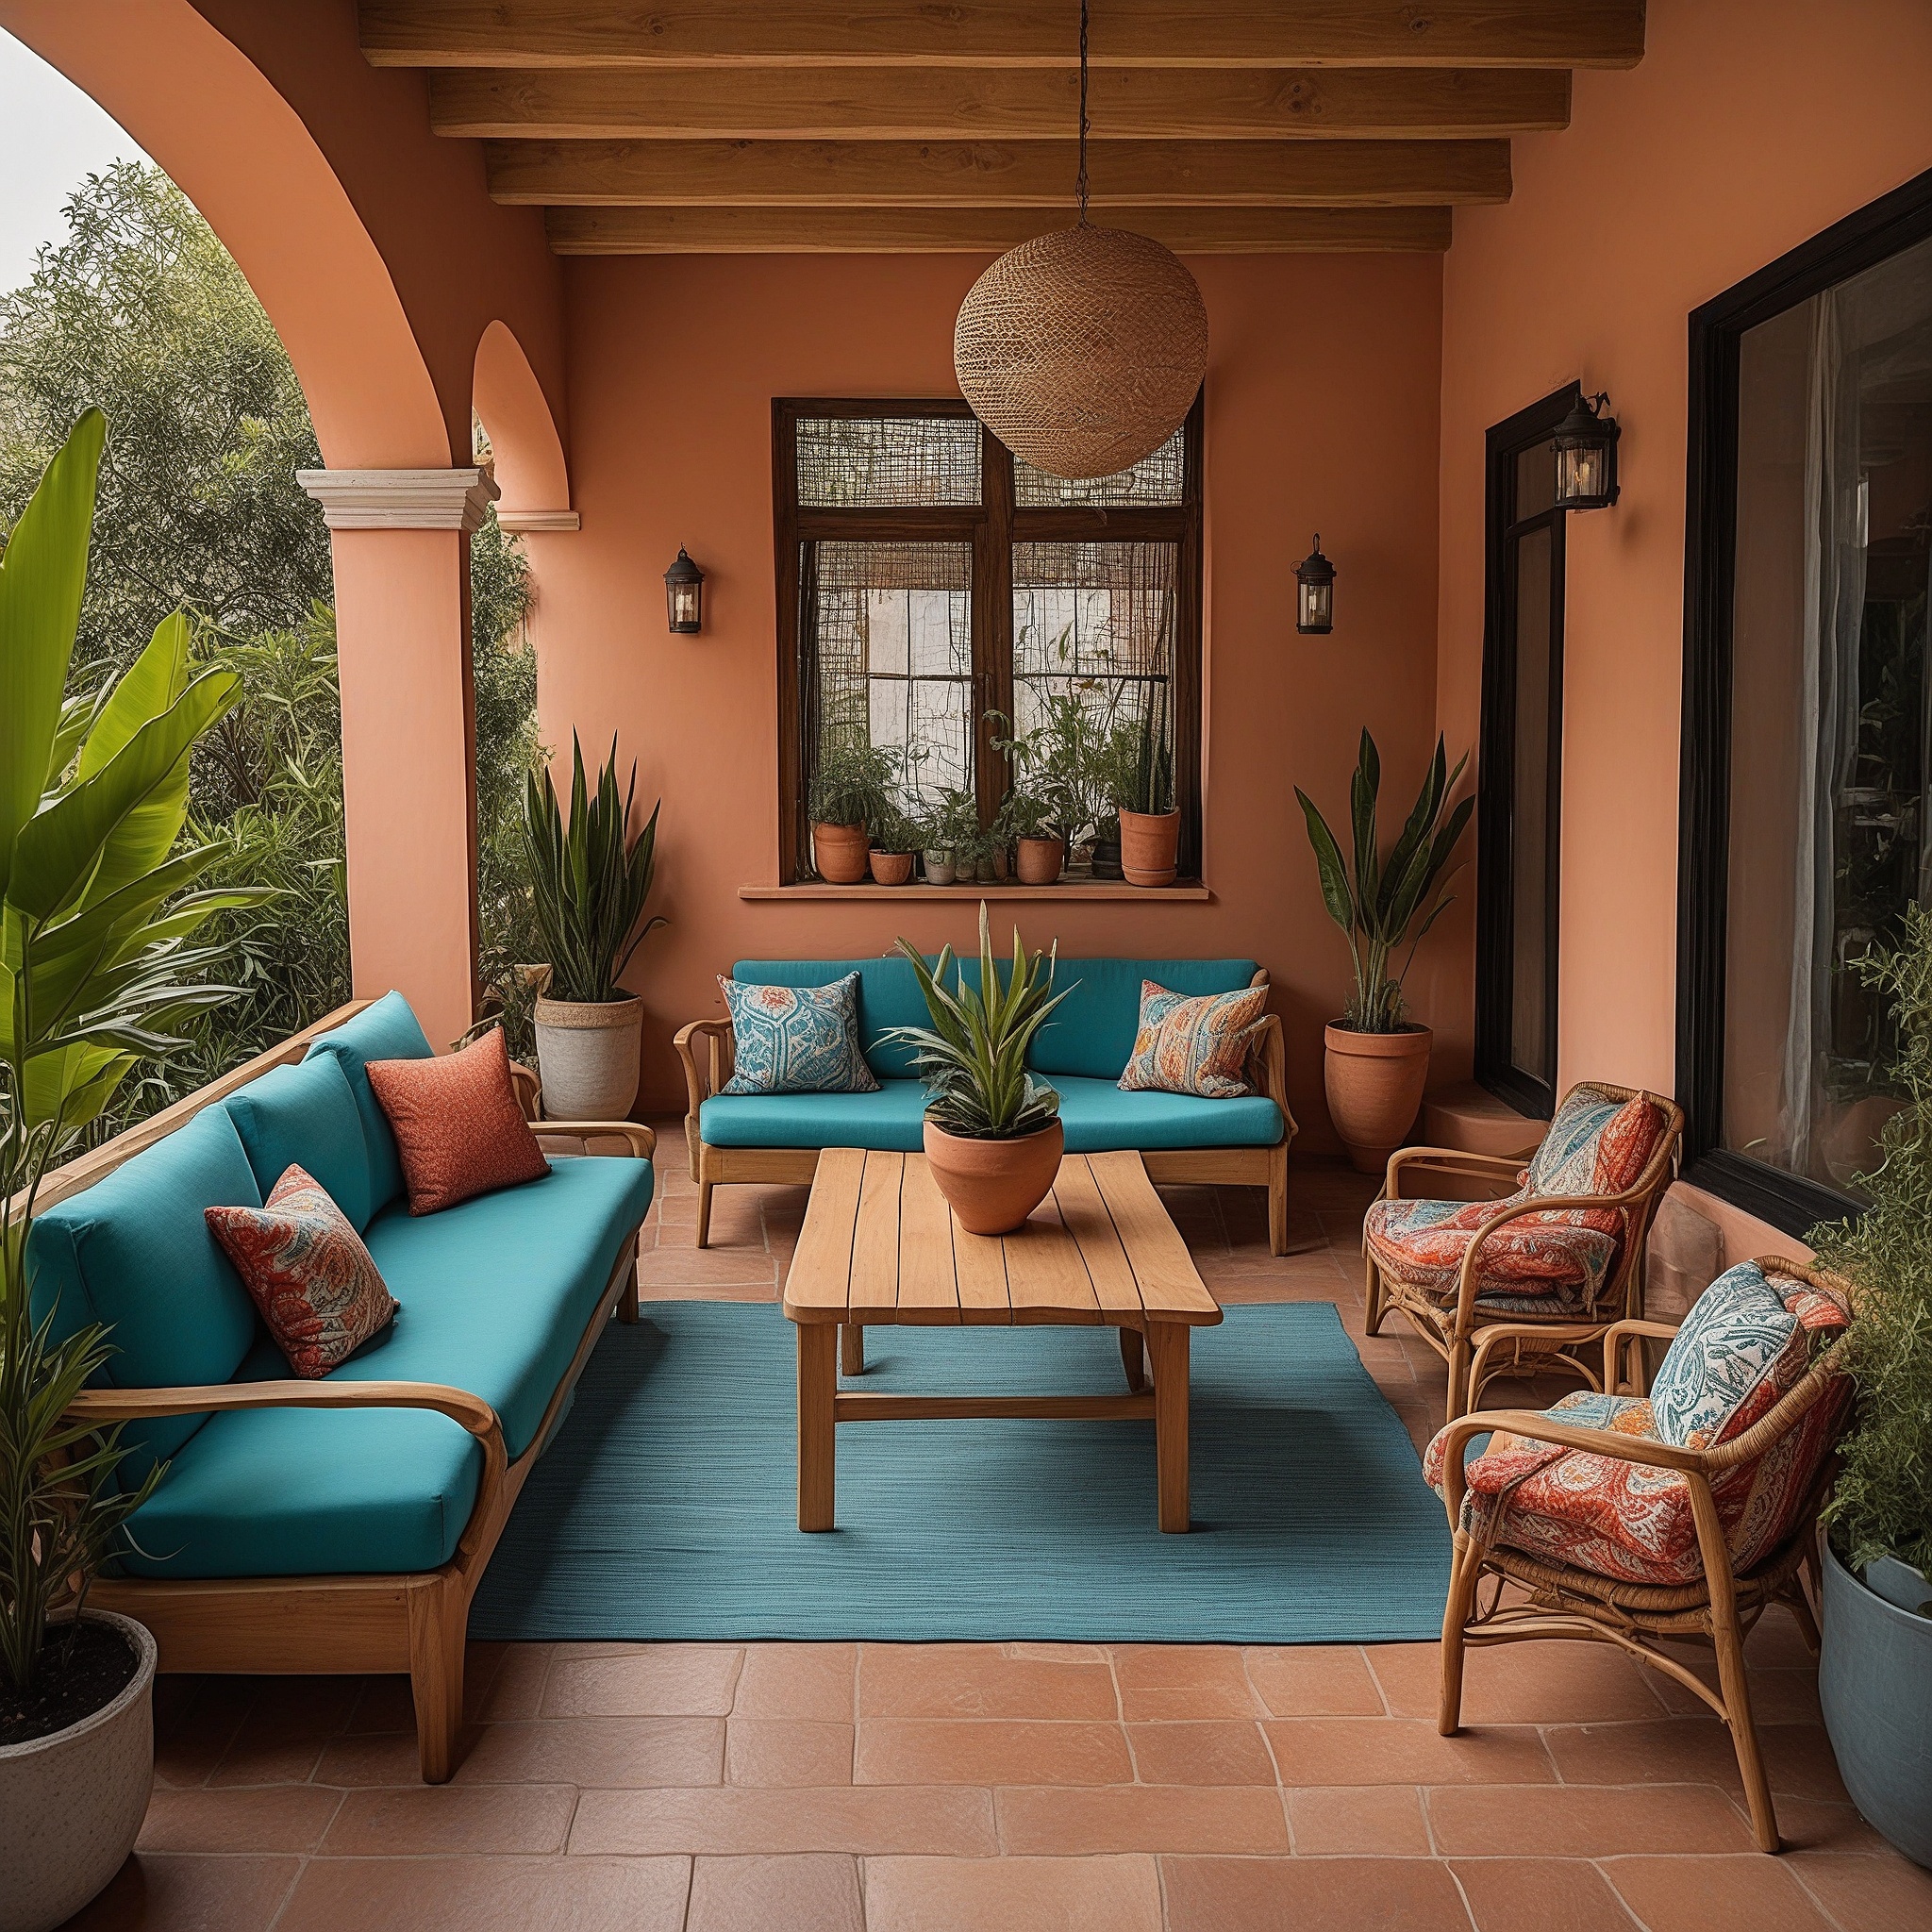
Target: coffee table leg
1167	1343
1133	1360
851	1349
818	1384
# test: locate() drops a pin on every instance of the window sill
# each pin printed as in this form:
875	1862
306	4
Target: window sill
1186	892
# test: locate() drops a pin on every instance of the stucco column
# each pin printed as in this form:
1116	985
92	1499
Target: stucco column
401	541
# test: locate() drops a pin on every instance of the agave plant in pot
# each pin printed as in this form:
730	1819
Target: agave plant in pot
1150	822
589	880
97	911
993	1131
1377	1062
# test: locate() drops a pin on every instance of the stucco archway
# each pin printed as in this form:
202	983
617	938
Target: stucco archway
532	472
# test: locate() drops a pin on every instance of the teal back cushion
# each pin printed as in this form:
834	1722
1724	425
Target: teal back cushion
133	1253
384	1031
1091	1032
305	1116
889	997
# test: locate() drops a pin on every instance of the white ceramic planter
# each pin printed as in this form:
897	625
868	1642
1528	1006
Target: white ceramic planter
71	1805
586	1052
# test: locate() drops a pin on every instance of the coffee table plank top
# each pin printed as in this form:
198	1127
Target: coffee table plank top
879	1244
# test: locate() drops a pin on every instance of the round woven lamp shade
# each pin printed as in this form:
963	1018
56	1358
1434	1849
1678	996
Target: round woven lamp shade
1082	350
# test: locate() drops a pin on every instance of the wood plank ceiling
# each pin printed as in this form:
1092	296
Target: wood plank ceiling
905	125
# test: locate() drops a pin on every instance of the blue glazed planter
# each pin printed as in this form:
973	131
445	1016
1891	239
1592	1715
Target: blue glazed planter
1875	1679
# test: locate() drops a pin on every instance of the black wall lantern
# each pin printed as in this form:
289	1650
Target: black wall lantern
1586	449
1314	578
684	593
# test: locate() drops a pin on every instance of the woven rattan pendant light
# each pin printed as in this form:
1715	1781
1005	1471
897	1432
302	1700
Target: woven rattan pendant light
1082	350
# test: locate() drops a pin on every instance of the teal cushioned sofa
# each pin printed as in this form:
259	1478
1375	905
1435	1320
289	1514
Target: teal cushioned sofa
1081	1050
340	1524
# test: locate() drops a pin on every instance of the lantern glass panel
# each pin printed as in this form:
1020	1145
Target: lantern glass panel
1317	606
1580	473
683	599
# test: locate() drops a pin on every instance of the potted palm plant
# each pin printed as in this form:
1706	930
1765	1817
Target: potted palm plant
98	911
851	792
589	881
1149	820
993	1131
1377	1062
1874	1669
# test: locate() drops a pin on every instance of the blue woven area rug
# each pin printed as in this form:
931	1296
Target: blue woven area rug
666	1505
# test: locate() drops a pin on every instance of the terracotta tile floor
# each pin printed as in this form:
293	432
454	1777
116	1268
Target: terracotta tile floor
830	1788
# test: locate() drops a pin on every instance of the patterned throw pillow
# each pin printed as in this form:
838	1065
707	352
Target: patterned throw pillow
1195	1044
796	1038
1596	1145
457	1125
305	1266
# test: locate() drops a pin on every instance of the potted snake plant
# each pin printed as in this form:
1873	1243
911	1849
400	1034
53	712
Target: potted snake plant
993	1135
1377	1059
1149	820
99	911
589	880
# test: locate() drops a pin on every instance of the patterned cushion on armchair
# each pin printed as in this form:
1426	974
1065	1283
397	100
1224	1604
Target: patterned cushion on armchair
1552	1263
1750	1336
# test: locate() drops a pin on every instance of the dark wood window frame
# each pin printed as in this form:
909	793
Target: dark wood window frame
993	526
1495	933
1862	241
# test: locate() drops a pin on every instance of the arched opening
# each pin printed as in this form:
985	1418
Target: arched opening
528	454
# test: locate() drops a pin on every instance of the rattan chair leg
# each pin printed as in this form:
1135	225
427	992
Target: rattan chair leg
1465	1570
1457	1397
1371	1298
1732	1681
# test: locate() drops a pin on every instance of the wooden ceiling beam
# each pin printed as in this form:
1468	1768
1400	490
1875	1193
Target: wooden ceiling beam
982	230
1002	33
996	104
884	174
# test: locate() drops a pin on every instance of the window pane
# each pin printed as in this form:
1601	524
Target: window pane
1830	710
1157	480
1529	852
886	647
858	462
1095	622
1536	480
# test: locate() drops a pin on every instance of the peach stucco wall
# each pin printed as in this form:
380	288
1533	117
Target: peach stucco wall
1750	125
1322	398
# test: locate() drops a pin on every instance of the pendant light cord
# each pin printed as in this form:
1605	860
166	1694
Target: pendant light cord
1080	183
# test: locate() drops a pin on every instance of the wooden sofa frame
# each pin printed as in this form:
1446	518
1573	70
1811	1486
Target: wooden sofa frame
1252	1167
329	1625
1534	1597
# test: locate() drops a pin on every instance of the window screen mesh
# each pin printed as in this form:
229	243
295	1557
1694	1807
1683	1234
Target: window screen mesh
887	636
1157	482
875	462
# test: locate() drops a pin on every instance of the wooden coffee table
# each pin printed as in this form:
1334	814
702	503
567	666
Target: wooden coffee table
880	1245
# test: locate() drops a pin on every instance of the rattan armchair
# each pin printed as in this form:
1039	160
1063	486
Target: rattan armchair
1478	1342
1560	1600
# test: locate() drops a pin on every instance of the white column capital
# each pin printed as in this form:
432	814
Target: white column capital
400	499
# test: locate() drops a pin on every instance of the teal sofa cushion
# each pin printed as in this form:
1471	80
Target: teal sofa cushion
1091	1032
306	1116
496	1295
384	1031
1099	1117
133	1253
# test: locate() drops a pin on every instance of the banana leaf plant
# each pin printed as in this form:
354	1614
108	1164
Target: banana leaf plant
98	915
589	879
972	1057
1383	903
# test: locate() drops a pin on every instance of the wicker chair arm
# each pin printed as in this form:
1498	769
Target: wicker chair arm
1541	1428
1493	1166
1617	1336
642	1141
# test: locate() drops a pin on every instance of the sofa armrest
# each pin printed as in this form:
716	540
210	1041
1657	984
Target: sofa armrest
1267	1049
639	1141
700	1083
528	1088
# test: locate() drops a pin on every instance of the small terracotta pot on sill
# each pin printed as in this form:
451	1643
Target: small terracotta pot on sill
892	868
1149	844
1040	860
839	852
1375	1085
994	1185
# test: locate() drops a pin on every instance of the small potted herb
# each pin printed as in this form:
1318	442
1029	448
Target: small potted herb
1026	818
851	791
993	1135
895	840
950	828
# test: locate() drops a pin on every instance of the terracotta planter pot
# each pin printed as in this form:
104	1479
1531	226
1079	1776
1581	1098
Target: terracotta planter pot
1149	841
839	852
939	868
1040	860
1374	1082
587	1052
994	1185
892	868
71	1805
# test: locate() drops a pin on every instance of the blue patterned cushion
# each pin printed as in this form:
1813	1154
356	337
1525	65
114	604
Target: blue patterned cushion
1566	1161
1737	1332
796	1038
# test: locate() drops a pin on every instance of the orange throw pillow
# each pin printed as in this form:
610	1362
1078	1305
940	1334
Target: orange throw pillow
457	1125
